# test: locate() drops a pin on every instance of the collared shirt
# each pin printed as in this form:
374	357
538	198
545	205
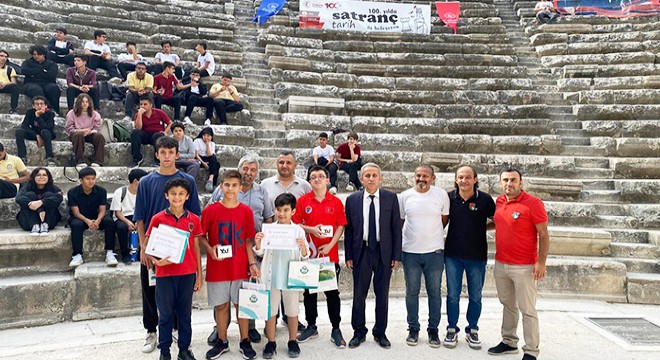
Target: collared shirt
274	187
207	58
466	235
6	73
187	222
256	198
158	121
226	94
11	166
88	204
423	230
366	203
92	46
76	78
140	84
329	212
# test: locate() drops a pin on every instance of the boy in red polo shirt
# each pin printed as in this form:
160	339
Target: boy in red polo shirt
322	216
175	283
150	124
228	225
164	84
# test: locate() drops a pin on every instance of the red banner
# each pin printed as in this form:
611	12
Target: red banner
449	13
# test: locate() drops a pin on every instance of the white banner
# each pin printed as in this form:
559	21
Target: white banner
366	16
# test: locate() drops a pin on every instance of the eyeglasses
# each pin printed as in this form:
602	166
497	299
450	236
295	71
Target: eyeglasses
320	177
42	175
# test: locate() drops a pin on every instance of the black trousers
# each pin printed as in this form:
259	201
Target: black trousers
96	62
370	265
7	190
174	102
25	134
224	106
50	91
214	167
122	235
72	93
195	100
78	227
331	298
149	308
139	137
66	59
27	217
14	91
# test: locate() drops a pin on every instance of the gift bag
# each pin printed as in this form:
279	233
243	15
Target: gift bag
303	275
253	301
327	276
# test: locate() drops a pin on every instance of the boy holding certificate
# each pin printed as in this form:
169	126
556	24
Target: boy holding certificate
175	283
274	270
229	228
322	216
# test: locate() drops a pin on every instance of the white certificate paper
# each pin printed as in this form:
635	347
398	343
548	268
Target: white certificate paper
280	236
167	241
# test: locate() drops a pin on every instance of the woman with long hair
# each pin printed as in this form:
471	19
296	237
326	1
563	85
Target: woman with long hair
83	124
205	153
39	200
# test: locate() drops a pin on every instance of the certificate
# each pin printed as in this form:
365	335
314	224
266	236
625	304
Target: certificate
280	236
167	241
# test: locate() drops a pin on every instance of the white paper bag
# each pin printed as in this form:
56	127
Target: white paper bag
253	302
327	277
303	275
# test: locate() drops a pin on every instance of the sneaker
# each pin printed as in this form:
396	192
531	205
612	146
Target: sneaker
207	122
434	339
96	165
451	339
81	166
185	355
187	120
270	350
254	336
333	190
50	162
502	349
36	229
115	81
126	259
309	333
76	261
218	349
472	339
213	338
110	258
413	337
165	356
246	349
137	163
209	186
301	327
12	112
43	229
149	343
294	348
338	339
350	187
127	118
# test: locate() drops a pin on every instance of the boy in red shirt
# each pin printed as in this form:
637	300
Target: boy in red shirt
150	124
164	84
175	283
228	224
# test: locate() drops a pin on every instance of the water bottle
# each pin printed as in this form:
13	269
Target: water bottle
134	245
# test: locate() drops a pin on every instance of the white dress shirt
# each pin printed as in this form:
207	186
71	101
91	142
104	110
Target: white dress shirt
366	203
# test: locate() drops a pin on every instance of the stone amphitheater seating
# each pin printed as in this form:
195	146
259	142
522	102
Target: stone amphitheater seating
572	105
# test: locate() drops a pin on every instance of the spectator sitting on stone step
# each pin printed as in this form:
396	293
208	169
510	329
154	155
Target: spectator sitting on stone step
545	12
83	124
164	85
167	55
205	61
194	94
126	61
348	156
87	206
225	99
324	156
122	207
205	153
12	173
40	201
38	124
40	75
140	83
8	83
187	161
81	80
100	56
149	125
60	50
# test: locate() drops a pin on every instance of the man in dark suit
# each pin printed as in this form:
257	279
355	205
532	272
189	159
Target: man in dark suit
372	243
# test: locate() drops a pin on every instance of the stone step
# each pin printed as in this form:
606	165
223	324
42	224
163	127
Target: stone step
261	92
601	196
648	266
591	173
572	133
643	288
270	134
564	124
638	251
265	115
269	125
269	143
580	150
590	162
616	221
255	99
597	185
629	236
572	141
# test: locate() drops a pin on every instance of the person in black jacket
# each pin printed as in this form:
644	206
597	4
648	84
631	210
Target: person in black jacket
60	50
195	94
39	200
39	125
40	75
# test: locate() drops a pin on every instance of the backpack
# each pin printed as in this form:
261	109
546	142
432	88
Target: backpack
123	193
105	90
71	163
121	133
107	130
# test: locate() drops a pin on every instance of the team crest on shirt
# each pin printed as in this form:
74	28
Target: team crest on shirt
473	207
308	210
9	167
190	227
515	215
329	210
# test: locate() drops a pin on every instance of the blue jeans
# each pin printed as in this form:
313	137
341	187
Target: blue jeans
431	265
475	271
174	300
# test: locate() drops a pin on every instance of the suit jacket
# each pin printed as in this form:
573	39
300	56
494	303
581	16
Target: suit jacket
389	222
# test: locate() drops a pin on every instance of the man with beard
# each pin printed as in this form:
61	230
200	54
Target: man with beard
425	213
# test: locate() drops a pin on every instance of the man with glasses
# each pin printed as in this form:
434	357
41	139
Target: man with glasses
140	83
40	75
100	56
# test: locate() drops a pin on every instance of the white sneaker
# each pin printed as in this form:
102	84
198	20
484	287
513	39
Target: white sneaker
127	118
350	187
76	261
187	120
81	166
209	186
207	122
150	343
36	229
116	81
333	190
110	258
44	229
95	165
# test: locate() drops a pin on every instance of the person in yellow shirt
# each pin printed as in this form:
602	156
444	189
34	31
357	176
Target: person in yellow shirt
140	83
12	173
8	81
225	99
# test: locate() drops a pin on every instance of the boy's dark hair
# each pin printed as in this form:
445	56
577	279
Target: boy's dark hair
227	75
141	63
82	57
284	200
39	97
511	169
2	147
323	135
131	43
136	174
88	171
178	124
231	174
168	64
61	29
203	44
162	43
98	33
4	52
40	50
180	182
147	98
353	135
195	71
316	168
167	142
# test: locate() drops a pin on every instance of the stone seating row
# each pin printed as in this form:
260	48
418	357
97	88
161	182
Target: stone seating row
611	39
643	58
617	112
572	84
622	128
603	47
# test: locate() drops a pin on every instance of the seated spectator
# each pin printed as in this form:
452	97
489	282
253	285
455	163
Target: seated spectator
545	12
83	124
8	83
87	207
205	61
139	84
348	155
324	156
81	80
38	124
99	55
122	207
205	153
12	173
225	99
40	201
149	125
126	61
164	85
60	50
167	55
194	93
40	75
187	161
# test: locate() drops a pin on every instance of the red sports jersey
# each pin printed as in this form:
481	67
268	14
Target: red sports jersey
188	222
311	212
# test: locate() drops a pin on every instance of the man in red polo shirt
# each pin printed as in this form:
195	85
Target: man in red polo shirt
322	216
150	124
164	84
521	249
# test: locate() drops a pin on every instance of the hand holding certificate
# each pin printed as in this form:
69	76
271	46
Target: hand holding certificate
168	242
280	236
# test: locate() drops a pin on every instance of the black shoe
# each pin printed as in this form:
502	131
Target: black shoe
213	338
434	339
309	333
502	349
294	349
301	327
382	341
185	355
356	341
254	336
165	356
218	349
126	259
413	337
270	350
246	349
12	112
528	357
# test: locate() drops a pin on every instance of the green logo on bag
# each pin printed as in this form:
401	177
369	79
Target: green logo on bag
304	270
253	298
